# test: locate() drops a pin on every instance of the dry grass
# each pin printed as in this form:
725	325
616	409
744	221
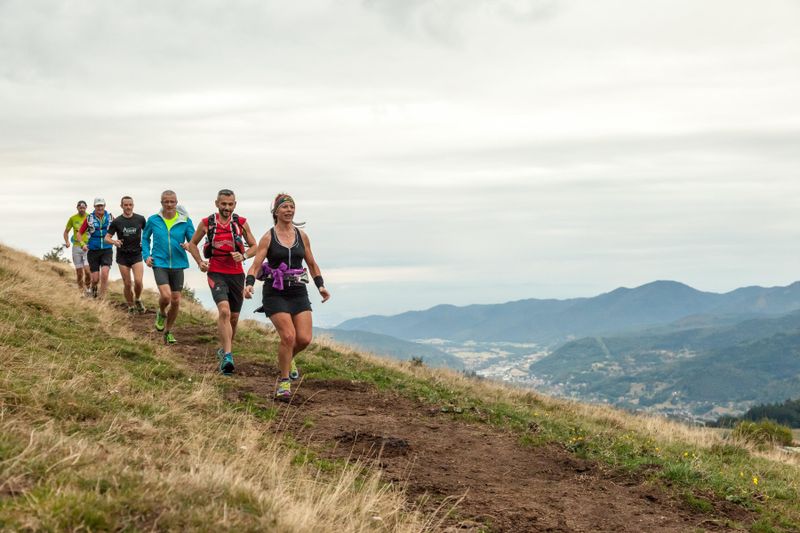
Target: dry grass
101	431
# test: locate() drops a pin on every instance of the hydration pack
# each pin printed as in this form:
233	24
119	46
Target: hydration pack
236	231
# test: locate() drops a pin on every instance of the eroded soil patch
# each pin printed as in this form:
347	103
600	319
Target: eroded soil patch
483	473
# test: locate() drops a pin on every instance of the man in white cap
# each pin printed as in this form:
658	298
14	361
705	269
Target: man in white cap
101	253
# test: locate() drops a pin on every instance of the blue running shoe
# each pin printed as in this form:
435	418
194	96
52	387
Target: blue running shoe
226	363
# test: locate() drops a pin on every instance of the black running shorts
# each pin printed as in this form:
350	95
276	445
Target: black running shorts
100	258
293	301
128	259
227	288
169	276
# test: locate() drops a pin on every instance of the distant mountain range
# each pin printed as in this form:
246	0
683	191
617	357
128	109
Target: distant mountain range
556	321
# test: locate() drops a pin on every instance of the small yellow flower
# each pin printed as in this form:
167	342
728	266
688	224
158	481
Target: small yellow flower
741	474
686	454
755	480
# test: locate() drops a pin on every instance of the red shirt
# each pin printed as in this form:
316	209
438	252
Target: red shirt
221	260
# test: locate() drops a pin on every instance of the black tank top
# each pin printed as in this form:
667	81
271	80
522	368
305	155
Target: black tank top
292	255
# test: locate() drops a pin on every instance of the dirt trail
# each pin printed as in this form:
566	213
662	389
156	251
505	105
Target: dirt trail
501	484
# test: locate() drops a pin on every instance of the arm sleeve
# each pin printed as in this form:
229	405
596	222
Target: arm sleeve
112	228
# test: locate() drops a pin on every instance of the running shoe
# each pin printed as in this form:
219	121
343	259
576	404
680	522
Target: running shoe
131	310
284	391
169	338
88	292
226	363
140	307
294	373
94	291
160	321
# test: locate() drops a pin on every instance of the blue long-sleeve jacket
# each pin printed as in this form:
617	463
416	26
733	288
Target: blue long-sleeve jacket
166	246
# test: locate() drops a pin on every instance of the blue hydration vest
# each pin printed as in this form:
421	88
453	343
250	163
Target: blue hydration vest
97	229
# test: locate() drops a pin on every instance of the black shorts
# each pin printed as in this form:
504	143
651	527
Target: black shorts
227	288
128	259
100	258
169	276
293	301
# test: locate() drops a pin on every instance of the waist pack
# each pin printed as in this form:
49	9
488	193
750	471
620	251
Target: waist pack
282	274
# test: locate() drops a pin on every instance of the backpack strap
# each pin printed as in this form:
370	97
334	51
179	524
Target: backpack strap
238	233
208	247
90	218
212	227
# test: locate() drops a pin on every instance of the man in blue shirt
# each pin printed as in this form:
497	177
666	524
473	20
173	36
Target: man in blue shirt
169	230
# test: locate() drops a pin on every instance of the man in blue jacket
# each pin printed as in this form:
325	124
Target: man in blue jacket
169	231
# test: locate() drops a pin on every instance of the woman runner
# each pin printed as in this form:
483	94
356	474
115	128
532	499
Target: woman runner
285	298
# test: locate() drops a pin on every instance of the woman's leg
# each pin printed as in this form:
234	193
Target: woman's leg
285	328
303	329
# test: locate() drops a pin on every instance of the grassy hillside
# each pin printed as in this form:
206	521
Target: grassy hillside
104	429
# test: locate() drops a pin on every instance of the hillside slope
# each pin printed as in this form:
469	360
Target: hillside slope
111	430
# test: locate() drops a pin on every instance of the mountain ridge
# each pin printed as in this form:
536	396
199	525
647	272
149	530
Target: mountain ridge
551	321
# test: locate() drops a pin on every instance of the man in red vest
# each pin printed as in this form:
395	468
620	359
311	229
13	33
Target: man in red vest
229	242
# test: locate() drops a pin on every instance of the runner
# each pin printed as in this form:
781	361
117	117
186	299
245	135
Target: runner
285	298
229	242
101	254
79	258
129	228
169	230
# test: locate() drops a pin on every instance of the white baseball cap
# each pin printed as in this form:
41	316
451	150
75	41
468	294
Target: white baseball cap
99	201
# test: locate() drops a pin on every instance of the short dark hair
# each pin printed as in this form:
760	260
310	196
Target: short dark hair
125	198
82	202
225	192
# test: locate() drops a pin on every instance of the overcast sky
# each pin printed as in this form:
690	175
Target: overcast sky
441	151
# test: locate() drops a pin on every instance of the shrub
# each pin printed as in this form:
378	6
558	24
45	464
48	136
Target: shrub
763	432
55	256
